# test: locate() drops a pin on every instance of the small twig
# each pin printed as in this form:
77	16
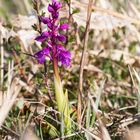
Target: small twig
36	7
69	18
69	11
82	62
10	131
2	62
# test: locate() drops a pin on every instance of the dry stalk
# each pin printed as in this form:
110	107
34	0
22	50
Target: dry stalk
82	62
9	97
2	61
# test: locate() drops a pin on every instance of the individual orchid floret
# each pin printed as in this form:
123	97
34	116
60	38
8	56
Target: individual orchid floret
41	55
45	20
61	38
64	26
42	37
63	55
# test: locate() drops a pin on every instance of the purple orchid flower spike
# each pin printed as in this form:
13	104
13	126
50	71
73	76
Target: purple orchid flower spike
54	41
53	38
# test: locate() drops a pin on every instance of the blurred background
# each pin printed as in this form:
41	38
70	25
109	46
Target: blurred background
111	71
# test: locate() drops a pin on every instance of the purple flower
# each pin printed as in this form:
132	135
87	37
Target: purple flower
42	37
41	55
63	55
45	20
64	26
52	8
53	38
61	38
55	15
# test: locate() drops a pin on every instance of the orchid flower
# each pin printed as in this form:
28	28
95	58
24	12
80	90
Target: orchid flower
56	52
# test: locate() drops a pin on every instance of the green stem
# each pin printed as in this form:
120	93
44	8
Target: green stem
62	100
55	67
58	87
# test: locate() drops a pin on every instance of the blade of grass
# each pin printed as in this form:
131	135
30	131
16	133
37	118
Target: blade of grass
104	131
99	93
138	88
88	119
